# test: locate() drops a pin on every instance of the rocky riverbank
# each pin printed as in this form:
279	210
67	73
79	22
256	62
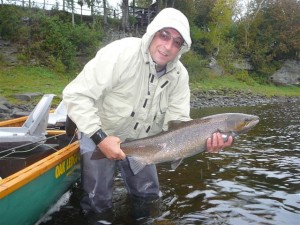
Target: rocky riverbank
201	99
9	111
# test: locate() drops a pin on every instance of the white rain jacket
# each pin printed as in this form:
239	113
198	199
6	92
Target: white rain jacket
119	92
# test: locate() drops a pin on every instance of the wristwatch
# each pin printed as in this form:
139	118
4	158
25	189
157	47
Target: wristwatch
98	136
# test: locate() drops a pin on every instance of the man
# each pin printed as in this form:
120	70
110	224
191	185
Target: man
131	89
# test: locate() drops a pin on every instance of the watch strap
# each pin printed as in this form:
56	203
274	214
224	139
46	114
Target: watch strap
98	136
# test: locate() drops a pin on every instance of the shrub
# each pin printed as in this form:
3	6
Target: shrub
196	66
243	76
50	40
11	23
55	64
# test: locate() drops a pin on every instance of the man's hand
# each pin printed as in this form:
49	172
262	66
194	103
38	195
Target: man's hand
216	143
110	147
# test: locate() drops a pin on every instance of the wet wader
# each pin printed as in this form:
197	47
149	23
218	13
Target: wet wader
98	177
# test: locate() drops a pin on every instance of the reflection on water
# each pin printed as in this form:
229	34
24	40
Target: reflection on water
257	181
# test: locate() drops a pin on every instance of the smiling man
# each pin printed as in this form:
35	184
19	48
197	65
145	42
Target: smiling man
130	90
165	46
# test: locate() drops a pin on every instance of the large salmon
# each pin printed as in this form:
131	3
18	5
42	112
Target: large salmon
184	139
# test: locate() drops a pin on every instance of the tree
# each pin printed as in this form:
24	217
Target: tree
125	15
91	4
80	2
252	10
203	9
104	12
199	26
64	5
271	33
221	21
187	7
286	28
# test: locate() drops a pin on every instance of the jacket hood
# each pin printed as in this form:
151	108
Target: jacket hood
169	18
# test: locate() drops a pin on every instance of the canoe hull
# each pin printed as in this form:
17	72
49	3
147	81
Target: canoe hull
25	196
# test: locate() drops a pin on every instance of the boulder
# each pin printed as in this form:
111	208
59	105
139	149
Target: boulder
27	96
289	74
215	67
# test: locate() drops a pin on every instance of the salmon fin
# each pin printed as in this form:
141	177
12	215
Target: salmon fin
176	163
135	165
130	139
174	124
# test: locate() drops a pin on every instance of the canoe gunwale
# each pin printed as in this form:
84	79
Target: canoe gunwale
24	176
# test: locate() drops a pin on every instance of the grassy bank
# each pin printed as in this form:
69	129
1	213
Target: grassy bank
229	82
23	79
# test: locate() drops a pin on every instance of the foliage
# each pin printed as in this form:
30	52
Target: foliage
199	28
201	44
63	41
53	41
187	7
12	19
203	18
243	76
286	27
196	66
114	23
220	22
143	3
269	33
211	31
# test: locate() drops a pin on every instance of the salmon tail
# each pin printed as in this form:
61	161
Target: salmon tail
97	154
135	165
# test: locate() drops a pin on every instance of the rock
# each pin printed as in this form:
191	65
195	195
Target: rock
4	109
289	74
199	99
19	114
27	96
227	98
3	101
244	64
22	97
4	105
215	67
9	52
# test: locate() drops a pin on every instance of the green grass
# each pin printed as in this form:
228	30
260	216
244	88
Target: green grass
24	79
21	79
229	82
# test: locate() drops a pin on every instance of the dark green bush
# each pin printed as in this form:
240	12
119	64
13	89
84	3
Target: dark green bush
196	66
50	40
12	19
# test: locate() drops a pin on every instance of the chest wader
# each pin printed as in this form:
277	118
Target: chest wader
98	176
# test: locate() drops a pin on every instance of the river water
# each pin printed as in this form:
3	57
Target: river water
256	181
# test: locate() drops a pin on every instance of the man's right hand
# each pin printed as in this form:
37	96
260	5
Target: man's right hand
110	147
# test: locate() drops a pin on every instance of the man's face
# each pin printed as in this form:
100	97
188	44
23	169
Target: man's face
165	46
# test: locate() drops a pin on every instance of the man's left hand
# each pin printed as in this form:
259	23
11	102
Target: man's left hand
216	143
